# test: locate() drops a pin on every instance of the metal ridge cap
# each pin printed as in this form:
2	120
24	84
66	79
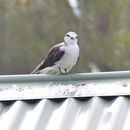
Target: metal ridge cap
67	77
22	87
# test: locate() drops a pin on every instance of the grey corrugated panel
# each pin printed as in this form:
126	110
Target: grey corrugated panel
12	115
96	113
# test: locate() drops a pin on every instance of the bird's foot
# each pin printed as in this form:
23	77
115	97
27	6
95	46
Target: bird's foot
65	71
60	71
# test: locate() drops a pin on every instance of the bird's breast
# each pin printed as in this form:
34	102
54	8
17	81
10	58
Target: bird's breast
70	57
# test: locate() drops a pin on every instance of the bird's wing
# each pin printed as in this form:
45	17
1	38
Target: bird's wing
53	56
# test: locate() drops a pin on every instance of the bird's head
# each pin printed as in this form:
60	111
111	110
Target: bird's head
71	38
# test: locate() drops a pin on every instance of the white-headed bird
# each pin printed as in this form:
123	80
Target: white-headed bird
61	58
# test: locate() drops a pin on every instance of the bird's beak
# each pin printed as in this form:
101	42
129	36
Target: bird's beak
72	38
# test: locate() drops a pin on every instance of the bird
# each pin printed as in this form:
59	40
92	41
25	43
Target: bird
61	58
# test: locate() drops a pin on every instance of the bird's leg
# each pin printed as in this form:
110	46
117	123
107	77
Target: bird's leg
60	70
65	71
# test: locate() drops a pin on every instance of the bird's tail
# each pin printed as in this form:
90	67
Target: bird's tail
47	70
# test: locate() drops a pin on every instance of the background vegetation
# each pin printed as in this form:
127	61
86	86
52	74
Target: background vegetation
28	28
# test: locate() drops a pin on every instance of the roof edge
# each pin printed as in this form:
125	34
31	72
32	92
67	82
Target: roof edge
65	77
21	87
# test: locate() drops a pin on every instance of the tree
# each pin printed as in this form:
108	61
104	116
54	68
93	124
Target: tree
28	28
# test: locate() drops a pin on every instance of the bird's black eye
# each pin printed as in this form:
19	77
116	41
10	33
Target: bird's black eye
76	36
68	35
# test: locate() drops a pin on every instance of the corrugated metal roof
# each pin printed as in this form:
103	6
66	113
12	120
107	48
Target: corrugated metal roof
66	108
96	113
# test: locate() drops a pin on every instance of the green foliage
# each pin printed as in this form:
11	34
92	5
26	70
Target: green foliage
101	22
28	28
